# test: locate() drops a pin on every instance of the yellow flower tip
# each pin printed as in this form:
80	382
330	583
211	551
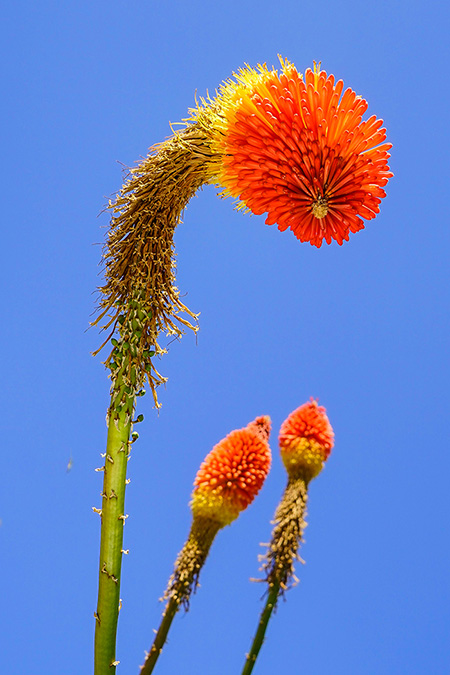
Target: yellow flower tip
233	473
306	440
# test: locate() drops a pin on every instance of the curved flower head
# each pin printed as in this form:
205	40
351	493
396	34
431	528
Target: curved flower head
298	149
306	439
233	473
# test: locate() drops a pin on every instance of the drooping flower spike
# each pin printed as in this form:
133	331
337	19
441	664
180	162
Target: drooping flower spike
228	480
291	146
306	439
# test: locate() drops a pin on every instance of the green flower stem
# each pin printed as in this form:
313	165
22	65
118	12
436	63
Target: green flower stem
111	543
160	637
262	626
183	581
283	551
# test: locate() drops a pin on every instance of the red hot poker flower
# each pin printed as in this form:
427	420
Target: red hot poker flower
227	481
306	440
298	149
233	473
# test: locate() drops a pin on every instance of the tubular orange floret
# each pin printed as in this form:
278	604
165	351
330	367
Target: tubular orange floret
297	149
306	439
233	473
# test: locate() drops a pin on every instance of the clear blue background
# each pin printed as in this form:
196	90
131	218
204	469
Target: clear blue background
89	85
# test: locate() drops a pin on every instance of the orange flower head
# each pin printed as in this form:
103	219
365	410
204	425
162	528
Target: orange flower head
233	473
306	439
298	149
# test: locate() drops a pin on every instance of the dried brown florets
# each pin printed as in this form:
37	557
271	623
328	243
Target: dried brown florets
139	298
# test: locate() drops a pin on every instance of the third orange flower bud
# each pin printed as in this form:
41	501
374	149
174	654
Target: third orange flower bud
306	439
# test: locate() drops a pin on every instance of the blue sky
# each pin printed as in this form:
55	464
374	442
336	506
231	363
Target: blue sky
88	86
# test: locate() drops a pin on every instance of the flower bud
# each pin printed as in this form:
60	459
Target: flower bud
306	439
233	473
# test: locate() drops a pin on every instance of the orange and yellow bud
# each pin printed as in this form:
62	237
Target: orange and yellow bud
233	473
306	439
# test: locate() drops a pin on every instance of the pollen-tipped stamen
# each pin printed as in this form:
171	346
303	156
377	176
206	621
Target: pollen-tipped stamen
320	207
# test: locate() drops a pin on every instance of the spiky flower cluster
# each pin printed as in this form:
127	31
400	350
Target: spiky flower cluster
306	439
297	148
233	473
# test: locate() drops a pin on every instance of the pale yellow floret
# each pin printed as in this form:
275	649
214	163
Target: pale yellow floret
217	115
213	506
303	458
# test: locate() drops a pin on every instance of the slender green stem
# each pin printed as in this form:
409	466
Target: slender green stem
261	630
160	637
111	543
283	551
183	581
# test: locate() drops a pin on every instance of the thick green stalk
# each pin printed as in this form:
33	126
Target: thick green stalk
111	543
261	631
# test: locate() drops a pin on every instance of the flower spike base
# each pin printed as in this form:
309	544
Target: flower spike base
111	544
184	580
283	552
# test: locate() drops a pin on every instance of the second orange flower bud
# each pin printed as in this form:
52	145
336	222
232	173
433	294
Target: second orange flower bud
233	473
